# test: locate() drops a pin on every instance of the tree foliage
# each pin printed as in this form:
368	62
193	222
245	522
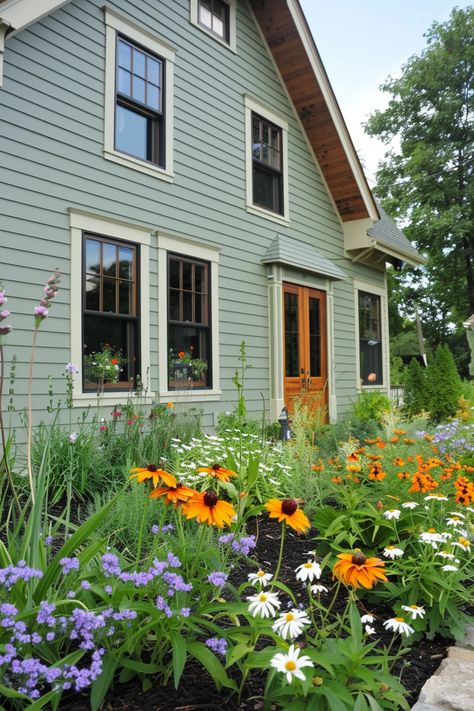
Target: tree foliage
443	385
426	178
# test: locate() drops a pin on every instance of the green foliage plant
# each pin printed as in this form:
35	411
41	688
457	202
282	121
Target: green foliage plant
443	385
371	405
415	398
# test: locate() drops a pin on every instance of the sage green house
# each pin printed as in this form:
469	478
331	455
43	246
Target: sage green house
186	167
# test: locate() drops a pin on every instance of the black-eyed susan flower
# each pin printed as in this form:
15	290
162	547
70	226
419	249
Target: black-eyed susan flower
359	571
288	511
218	472
175	495
207	508
153	473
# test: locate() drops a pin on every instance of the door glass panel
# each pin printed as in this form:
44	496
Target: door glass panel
314	338
291	336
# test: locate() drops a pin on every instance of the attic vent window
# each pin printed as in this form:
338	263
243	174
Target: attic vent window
214	16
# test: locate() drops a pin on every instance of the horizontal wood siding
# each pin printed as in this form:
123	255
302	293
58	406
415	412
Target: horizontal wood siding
51	159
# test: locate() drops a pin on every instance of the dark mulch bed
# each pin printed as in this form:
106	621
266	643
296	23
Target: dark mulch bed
197	690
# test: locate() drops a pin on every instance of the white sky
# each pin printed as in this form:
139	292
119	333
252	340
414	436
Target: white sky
361	42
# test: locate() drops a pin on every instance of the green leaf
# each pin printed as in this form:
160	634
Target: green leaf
11	693
101	685
178	645
237	652
361	703
141	667
212	665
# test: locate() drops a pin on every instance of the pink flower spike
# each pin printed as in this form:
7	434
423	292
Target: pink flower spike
4	314
41	311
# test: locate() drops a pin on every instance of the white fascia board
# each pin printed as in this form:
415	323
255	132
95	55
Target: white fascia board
18	14
402	256
328	94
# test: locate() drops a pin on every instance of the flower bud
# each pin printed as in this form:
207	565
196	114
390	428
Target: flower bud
5	330
4	314
318	681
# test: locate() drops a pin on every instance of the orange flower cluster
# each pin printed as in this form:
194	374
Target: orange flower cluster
376	472
422	481
464	490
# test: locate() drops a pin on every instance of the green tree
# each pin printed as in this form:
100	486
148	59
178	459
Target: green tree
426	178
414	398
443	385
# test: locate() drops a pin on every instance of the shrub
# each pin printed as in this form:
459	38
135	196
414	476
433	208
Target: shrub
443	385
371	406
414	399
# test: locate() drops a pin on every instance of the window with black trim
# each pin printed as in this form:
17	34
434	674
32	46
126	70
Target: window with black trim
267	164
214	15
110	322
189	323
370	339
139	105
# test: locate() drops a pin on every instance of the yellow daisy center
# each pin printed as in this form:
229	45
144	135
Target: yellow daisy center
289	616
399	619
260	573
414	607
308	565
290	665
262	597
390	548
432	530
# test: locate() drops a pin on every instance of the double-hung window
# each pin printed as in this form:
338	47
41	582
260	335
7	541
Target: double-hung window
110	323
189	323
370	339
266	162
217	18
138	98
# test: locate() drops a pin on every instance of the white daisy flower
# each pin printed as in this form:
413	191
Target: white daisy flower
264	604
369	629
443	554
392	552
414	610
436	497
462	543
315	589
431	537
260	577
449	568
291	624
367	618
308	571
291	664
409	505
398	624
455	521
392	514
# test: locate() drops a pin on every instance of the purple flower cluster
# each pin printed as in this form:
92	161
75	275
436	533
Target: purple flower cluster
455	438
111	565
69	564
217	644
217	578
10	575
241	546
155	529
50	292
4	313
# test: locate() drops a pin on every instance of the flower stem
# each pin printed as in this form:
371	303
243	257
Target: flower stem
280	557
2	430
30	415
140	533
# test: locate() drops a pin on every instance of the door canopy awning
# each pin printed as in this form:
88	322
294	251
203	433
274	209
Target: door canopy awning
293	253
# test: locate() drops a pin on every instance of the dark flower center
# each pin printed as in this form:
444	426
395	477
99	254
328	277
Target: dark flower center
210	499
216	467
358	558
288	506
152	468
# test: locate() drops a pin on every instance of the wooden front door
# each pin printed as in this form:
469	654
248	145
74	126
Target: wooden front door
304	320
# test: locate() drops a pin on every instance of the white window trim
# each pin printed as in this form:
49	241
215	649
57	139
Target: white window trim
194	19
115	23
253	106
178	245
80	222
382	292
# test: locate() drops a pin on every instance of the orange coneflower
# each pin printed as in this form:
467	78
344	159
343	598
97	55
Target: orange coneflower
288	511
317	467
175	495
218	472
353	468
359	571
152	472
394	440
404	475
399	432
380	445
353	457
207	508
336	479
398	462
409	440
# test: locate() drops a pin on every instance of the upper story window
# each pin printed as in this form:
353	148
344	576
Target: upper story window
110	314
138	98
266	162
370	339
217	18
267	172
139	122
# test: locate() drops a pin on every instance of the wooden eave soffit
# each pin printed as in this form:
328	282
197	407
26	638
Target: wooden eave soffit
289	39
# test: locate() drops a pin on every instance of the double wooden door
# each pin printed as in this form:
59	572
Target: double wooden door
305	366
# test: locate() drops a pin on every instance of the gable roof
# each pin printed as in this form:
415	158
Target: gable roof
293	253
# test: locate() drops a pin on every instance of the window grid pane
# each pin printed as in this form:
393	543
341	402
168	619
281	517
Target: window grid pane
214	16
370	339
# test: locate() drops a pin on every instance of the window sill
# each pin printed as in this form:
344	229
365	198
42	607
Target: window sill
189	395
115	398
229	45
139	165
268	214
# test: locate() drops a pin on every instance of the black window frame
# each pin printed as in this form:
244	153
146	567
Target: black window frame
203	327
371	346
260	166
135	367
156	118
226	5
